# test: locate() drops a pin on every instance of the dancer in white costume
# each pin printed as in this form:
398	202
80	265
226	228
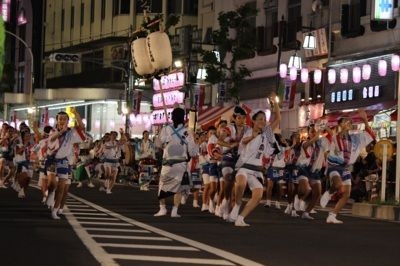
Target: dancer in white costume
178	143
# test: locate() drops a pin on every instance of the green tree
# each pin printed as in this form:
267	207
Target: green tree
235	40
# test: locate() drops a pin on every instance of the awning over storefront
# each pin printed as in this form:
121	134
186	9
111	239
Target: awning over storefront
211	115
393	116
370	110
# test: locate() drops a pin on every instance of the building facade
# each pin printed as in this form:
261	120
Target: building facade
99	34
345	32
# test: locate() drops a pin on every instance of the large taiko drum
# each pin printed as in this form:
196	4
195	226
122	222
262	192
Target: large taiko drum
129	154
140	57
378	149
159	50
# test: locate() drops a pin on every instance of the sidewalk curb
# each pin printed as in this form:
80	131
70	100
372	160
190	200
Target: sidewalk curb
382	212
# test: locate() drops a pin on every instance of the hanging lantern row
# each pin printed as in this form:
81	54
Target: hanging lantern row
152	53
358	73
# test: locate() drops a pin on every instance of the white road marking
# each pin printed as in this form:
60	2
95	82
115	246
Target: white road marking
80	210
186	248
117	230
77	205
210	249
97	251
105	223
98	218
155	238
77	214
173	259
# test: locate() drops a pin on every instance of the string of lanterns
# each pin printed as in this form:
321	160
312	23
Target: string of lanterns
358	73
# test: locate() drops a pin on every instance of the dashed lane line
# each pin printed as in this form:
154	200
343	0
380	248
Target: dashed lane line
100	254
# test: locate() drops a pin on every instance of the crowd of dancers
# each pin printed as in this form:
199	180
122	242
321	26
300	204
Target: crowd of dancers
232	156
222	163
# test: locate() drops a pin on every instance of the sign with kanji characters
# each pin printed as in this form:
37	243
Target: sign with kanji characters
158	117
170	98
171	81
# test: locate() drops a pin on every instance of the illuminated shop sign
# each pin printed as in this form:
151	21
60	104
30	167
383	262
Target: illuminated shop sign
367	92
342	96
170	98
171	81
158	117
5	10
382	9
371	92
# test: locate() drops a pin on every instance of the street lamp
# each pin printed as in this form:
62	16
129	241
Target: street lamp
31	80
295	61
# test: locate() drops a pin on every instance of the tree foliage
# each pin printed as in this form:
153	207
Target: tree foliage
235	37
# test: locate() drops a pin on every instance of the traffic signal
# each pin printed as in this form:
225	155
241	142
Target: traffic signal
64	58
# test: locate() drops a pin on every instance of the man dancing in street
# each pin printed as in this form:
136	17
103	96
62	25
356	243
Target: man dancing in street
344	150
60	148
178	144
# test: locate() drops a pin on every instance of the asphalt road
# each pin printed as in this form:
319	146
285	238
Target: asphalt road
120	229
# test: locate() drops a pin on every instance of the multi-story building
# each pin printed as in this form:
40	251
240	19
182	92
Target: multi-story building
99	33
22	67
347	37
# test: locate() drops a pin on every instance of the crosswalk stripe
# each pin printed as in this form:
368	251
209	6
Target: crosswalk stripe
183	248
117	230
73	209
134	237
171	259
227	258
104	223
77	206
77	214
98	218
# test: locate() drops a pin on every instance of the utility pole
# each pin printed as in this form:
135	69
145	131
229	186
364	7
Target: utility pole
129	83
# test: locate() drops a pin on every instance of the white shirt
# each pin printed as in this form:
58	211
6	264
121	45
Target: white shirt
254	151
358	142
64	145
211	145
112	150
178	143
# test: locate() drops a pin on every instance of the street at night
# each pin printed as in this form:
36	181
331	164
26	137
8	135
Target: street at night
120	229
112	110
